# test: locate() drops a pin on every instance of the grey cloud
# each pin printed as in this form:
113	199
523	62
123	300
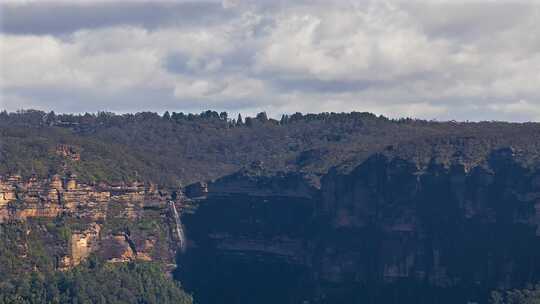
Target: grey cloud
468	20
178	63
322	86
237	61
64	18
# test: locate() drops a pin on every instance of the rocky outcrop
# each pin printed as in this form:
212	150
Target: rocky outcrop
82	243
386	232
50	198
119	222
68	152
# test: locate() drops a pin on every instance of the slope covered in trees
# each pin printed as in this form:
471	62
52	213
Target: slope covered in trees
95	282
178	148
30	274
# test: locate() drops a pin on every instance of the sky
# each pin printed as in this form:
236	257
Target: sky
443	60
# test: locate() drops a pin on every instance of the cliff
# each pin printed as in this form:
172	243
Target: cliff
388	231
118	222
248	232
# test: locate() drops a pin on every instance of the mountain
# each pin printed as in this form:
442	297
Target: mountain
315	208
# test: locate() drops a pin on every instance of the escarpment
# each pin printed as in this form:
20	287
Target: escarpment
334	208
249	233
388	231
118	222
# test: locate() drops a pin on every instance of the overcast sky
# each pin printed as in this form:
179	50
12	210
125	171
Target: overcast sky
459	60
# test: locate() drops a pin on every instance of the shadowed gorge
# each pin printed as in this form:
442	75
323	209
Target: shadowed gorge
385	233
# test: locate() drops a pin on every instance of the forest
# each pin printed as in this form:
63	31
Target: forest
179	149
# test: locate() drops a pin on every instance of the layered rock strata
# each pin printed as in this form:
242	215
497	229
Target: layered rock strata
119	222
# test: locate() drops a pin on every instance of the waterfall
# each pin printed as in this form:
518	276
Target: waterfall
179	228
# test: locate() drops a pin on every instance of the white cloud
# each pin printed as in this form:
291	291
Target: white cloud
377	43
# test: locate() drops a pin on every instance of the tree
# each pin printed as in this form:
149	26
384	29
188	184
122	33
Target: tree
284	119
262	117
50	118
166	115
249	121
239	121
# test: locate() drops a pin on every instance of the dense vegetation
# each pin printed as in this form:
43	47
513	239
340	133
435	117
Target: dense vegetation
29	253
175	148
95	282
529	295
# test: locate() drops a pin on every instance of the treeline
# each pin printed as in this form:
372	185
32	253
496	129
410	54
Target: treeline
217	119
37	118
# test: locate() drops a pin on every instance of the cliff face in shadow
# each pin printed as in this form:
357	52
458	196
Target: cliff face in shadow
249	239
386	232
447	231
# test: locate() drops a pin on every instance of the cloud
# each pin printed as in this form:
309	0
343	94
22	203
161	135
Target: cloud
470	60
64	17
521	108
346	45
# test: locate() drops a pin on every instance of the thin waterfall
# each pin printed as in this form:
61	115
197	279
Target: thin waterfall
179	228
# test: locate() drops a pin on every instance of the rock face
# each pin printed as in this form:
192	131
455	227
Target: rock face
119	222
387	232
249	232
68	152
83	243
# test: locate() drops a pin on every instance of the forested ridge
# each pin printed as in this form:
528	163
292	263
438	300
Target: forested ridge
177	148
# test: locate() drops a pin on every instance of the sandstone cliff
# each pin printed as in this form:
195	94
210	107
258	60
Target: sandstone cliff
119	222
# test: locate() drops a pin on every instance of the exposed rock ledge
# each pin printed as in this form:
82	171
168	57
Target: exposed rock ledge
119	222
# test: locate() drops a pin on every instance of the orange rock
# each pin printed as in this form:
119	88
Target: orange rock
68	151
